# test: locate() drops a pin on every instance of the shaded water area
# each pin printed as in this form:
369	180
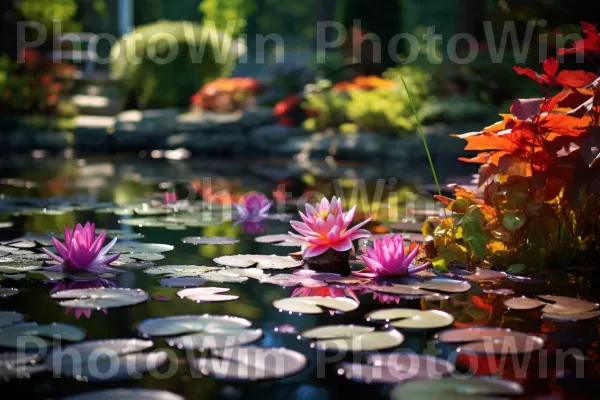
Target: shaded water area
44	195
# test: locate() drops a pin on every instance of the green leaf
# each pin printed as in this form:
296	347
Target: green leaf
35	276
516	268
513	221
439	264
473	232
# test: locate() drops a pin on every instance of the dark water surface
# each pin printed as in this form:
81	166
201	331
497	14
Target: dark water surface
65	182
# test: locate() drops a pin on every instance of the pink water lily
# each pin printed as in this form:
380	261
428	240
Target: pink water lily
387	258
170	198
325	227
82	250
253	207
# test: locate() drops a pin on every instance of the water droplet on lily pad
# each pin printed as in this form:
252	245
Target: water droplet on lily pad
258	261
315	304
206	294
214	240
97	298
251	363
353	338
396	368
126	394
411	319
179	270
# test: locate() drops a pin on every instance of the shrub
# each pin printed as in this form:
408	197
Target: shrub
538	201
202	55
380	110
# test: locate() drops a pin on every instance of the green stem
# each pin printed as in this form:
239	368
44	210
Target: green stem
414	108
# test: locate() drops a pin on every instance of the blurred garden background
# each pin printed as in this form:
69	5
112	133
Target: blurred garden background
264	86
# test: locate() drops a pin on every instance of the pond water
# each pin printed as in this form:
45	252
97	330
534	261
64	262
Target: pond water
44	195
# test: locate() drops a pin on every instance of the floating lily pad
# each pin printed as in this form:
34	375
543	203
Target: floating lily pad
582	316
353	338
16	336
251	363
126	394
290	280
402	290
182	282
396	368
9	317
484	274
445	285
258	261
18	267
21	243
214	240
456	389
523	303
5	224
315	304
135	247
123	235
179	270
411	319
19	365
147	256
496	341
98	298
206	294
8	292
106	360
567	305
283	240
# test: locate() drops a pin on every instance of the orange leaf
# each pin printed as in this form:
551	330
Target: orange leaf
575	79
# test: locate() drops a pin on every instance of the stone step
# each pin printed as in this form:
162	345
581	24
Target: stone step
95	89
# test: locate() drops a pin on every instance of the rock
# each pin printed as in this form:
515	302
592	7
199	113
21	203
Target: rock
277	140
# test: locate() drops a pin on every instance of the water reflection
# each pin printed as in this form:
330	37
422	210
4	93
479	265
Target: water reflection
69	284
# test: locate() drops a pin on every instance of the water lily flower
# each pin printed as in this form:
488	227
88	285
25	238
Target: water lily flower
170	198
82	284
325	227
387	258
253	207
82	250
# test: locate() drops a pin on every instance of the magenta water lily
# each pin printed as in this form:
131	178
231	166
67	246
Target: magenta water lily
326	226
82	250
387	258
253	207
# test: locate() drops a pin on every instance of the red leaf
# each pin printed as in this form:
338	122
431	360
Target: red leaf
575	79
539	78
551	66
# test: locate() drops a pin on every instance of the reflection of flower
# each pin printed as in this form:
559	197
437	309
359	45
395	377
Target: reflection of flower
387	258
82	251
326	291
82	284
326	227
252	227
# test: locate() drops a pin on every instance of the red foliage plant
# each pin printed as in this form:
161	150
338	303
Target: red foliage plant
538	200
226	94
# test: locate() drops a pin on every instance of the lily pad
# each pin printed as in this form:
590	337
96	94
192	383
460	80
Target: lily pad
494	341
396	368
19	267
21	243
15	336
411	319
451	388
179	270
523	303
147	256
206	294
126	394
106	360
353	338
214	240
8	292
567	305
123	235
402	290
9	317
445	285
283	240
315	304
19	365
258	261
291	280
582	316
484	274
98	298
135	247
251	363
182	282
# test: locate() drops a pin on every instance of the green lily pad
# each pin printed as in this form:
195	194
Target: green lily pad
258	261
445	285
15	336
251	363
214	240
353	338
179	270
411	319
98	298
126	394
8	318
206	294
492	341
135	247
523	303
147	256
182	282
476	388
315	304
283	240
8	292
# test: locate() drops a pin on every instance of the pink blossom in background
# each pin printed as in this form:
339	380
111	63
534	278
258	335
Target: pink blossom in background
325	227
82	251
